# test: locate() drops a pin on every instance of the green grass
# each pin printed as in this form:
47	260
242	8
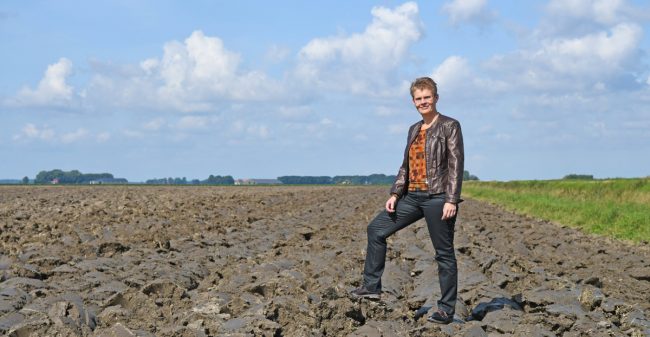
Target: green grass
619	208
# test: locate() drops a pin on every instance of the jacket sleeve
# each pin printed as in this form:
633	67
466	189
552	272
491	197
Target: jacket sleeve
455	162
400	182
402	174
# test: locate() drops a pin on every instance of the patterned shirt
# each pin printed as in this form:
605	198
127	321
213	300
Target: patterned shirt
417	163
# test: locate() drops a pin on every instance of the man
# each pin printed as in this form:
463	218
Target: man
428	185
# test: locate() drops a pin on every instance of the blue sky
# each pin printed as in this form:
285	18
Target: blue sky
258	89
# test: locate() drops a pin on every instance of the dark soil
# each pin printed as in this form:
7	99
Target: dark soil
280	261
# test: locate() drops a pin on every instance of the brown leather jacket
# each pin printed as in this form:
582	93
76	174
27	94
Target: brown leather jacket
445	159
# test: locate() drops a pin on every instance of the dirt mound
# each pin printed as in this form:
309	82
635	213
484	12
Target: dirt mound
279	261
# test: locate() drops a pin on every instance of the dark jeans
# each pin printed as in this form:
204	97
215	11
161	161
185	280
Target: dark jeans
411	208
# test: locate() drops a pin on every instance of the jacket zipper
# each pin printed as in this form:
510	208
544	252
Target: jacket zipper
427	143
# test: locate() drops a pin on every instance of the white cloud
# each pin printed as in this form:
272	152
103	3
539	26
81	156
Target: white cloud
586	46
240	127
601	11
452	73
52	89
154	124
202	62
559	64
132	134
149	65
47	134
74	136
456	78
193	122
563	84
503	136
277	53
237	126
572	18
201	70
362	62
197	74
637	124
597	52
31	131
260	131
295	111
201	74
598	129
103	137
360	137
472	11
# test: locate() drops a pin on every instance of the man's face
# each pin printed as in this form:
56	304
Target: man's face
424	100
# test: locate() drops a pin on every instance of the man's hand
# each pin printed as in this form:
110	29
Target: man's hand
448	210
390	204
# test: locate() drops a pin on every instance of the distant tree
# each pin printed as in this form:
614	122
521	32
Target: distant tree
167	181
578	177
306	180
468	176
75	177
45	177
381	179
219	180
373	179
25	180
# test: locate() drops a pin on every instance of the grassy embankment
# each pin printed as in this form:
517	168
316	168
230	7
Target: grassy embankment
618	208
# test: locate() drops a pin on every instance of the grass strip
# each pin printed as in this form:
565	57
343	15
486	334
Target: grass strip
618	208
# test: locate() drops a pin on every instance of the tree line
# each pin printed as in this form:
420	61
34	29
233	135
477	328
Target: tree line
468	176
76	177
373	179
574	176
212	180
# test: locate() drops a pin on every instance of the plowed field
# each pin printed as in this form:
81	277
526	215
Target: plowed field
279	261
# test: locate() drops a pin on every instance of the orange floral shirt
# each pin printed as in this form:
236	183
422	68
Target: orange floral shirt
417	163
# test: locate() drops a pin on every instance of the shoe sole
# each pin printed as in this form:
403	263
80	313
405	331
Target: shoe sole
437	321
375	297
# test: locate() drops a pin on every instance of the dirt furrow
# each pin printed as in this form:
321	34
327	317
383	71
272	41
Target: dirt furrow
279	261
